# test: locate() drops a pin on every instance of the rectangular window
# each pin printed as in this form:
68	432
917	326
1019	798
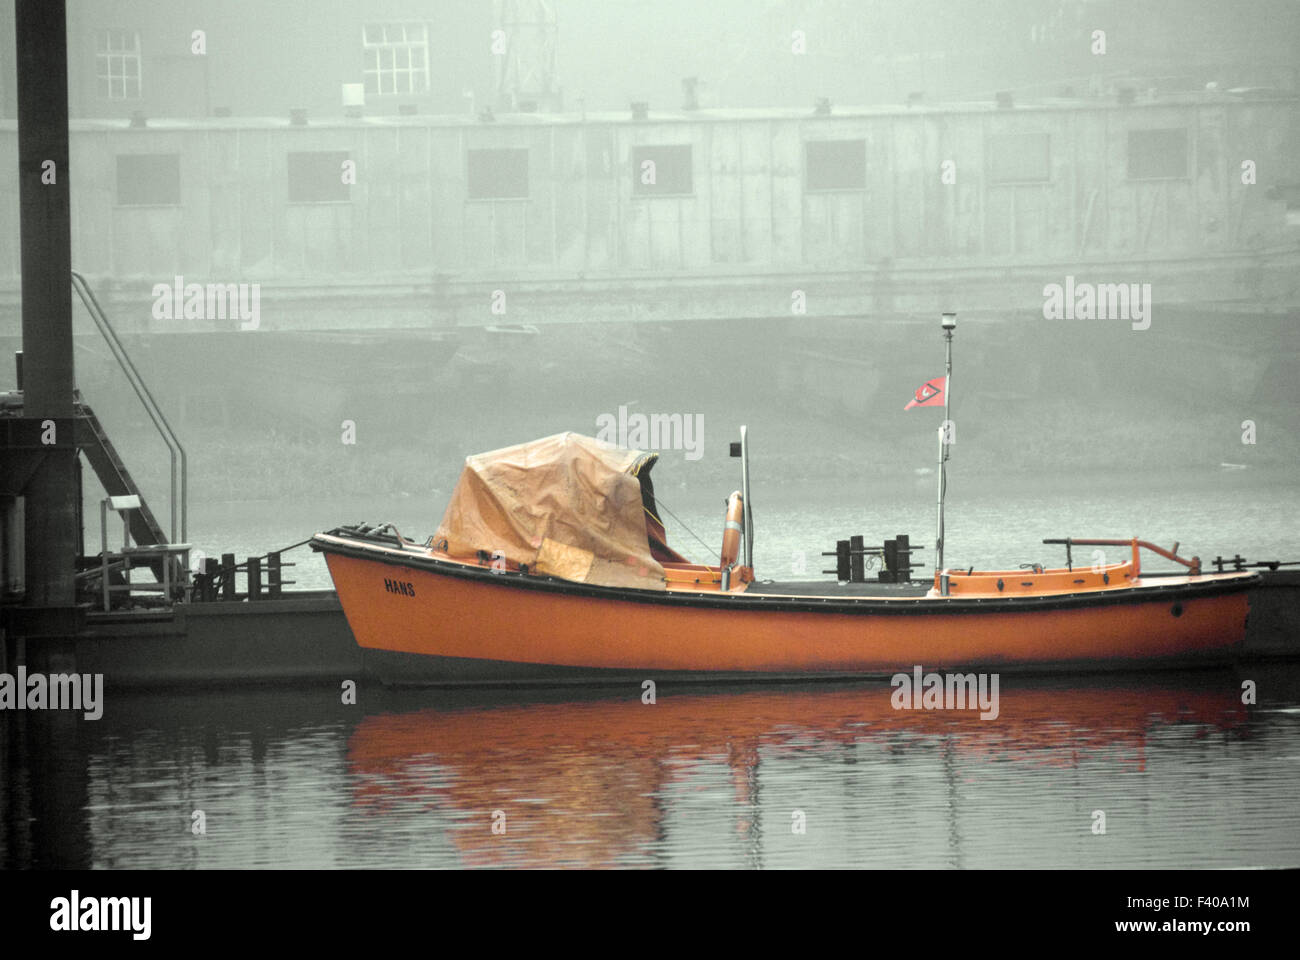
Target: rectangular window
148	179
395	58
117	64
317	177
1157	154
497	174
1020	158
662	171
835	165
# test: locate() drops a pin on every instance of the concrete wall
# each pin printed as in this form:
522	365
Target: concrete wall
266	58
409	235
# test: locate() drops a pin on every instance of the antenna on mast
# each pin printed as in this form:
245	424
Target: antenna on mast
949	324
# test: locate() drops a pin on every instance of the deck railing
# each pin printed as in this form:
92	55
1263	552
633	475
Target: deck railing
1193	565
179	472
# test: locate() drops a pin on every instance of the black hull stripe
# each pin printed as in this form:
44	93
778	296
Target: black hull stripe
860	606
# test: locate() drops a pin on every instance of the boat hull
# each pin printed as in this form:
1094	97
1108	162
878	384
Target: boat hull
428	621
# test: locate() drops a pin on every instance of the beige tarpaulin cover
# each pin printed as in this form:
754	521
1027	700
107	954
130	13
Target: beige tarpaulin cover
564	505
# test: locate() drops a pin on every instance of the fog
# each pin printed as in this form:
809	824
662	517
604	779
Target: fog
474	224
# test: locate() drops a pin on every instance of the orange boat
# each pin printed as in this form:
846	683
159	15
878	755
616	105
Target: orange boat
551	564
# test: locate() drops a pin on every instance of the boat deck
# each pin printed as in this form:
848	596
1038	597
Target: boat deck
830	588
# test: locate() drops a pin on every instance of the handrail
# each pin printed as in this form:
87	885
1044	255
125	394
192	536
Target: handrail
146	398
1193	565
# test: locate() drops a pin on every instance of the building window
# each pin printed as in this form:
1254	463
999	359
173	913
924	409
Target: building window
117	64
662	171
835	165
318	177
1157	154
496	174
396	57
1020	158
148	179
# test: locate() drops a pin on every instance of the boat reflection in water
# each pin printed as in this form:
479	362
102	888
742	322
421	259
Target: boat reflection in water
721	778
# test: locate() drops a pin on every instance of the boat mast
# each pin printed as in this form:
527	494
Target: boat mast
744	487
949	324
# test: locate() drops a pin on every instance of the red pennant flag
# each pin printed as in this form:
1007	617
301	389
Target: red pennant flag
928	394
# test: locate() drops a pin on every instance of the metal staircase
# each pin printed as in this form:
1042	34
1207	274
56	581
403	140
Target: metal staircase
107	464
116	480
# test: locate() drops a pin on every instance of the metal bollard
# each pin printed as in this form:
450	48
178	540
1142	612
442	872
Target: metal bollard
857	562
227	576
254	578
273	575
208	585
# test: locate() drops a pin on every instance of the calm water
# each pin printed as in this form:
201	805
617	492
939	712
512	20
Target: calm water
1185	774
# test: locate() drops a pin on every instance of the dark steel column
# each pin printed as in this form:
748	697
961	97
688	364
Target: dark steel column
46	251
56	828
